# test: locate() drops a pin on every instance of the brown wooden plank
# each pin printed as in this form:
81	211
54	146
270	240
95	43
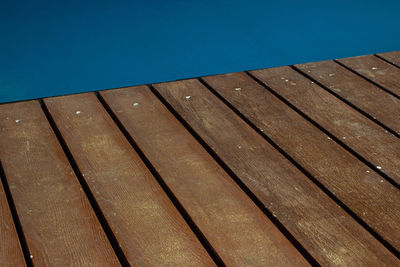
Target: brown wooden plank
330	235
10	247
358	132
392	57
356	185
239	232
356	90
377	70
147	225
59	224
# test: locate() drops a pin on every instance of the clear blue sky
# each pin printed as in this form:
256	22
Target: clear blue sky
50	48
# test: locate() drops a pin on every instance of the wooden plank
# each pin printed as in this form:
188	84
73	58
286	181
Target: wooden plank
377	70
357	186
365	137
329	234
239	232
147	225
10	247
392	57
356	90
59	224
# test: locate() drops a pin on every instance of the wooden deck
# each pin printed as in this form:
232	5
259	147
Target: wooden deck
288	166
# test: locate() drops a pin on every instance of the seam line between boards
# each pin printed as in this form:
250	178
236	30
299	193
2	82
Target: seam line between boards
319	184
365	114
86	189
388	91
182	211
387	61
15	217
333	137
235	178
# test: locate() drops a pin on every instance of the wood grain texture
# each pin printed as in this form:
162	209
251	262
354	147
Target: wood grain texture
355	130
148	227
10	247
324	229
356	90
356	185
377	70
239	232
59	224
392	57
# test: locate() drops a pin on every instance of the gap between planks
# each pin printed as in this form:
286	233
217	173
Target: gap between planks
298	165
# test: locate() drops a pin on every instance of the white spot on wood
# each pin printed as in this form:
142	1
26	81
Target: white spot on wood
135	104
17	121
238	89
286	80
239	146
374	68
114	213
331	74
367	171
381	181
78	112
329	138
379	167
188	97
31	256
27	145
344	137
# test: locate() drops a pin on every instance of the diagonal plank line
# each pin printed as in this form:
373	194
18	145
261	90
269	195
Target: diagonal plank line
387	61
347	102
100	216
17	223
251	195
358	156
211	251
301	168
368	79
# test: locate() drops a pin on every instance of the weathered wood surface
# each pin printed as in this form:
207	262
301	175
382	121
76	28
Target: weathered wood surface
376	70
355	184
222	211
148	227
329	234
243	169
357	91
392	57
10	250
59	224
371	141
